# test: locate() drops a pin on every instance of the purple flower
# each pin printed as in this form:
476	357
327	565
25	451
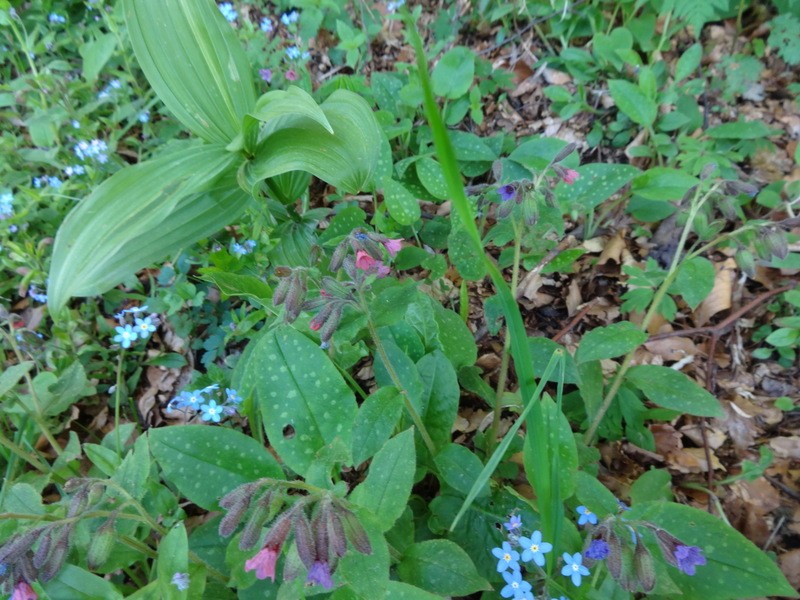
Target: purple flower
320	574
507	192
688	558
180	581
597	550
514	523
265	74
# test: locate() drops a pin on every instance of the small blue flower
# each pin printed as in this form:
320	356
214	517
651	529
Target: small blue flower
34	293
586	516
75	124
54	182
115	84
6	205
289	18
56	18
181	581
507	558
393	5
227	10
597	550
293	52
265	25
507	192
144	327
514	523
574	568
194	399
534	548
211	411
622	505
516	587
231	395
144	116
125	335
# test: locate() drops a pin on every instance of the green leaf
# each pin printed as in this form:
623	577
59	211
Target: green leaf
596	183
452	76
367	574
441	567
235	284
441	396
561	448
464	255
538	152
376	420
386	489
403	206
458	343
96	53
173	557
398	590
460	468
291	102
430	175
345	221
594	495
735	567
391	304
654	485
346	158
695	280
11	376
663	183
139	215
74	583
133	473
633	102
783	337
609	342
741	130
206	462
471	148
688	62
304	402
195	64
672	389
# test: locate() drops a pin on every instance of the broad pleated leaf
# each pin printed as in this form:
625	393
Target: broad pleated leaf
141	214
347	158
194	62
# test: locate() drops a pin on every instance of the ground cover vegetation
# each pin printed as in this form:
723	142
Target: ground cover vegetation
367	300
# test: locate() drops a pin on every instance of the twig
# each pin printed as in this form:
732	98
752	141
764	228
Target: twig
576	319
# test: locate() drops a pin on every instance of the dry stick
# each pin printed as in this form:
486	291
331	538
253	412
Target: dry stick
715	331
576	319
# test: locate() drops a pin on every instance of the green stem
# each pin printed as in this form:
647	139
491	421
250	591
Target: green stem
504	360
24	454
117	400
401	388
662	290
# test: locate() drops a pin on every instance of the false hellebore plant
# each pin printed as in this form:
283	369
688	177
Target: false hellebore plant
247	146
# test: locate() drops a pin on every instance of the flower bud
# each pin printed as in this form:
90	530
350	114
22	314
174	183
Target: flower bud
708	170
319	529
564	152
644	568
746	262
45	544
101	545
775	243
354	530
614	558
667	543
304	540
279	295
740	187
18	545
331	323
338	256
259	516
336	537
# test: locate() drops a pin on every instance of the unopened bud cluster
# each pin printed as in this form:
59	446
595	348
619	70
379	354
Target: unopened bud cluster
320	528
40	552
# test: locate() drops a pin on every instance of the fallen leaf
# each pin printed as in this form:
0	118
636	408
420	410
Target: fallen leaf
720	297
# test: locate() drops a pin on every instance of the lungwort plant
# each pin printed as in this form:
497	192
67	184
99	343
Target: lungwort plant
249	150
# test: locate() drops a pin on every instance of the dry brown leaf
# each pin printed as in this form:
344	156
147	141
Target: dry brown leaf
714	436
692	460
673	348
613	249
574	298
790	565
667	439
786	447
720	297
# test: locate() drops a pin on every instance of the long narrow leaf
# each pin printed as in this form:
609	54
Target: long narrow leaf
520	351
141	214
194	62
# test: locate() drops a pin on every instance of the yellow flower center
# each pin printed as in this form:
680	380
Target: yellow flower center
534	548
506	557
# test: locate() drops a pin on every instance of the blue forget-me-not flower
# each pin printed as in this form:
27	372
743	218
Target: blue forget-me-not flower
507	558
516	587
227	10
533	548
586	516
573	568
125	335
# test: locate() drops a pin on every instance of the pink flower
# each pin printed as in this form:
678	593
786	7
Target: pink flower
23	591
570	176
393	246
320	574
263	563
315	324
382	270
291	75
364	261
